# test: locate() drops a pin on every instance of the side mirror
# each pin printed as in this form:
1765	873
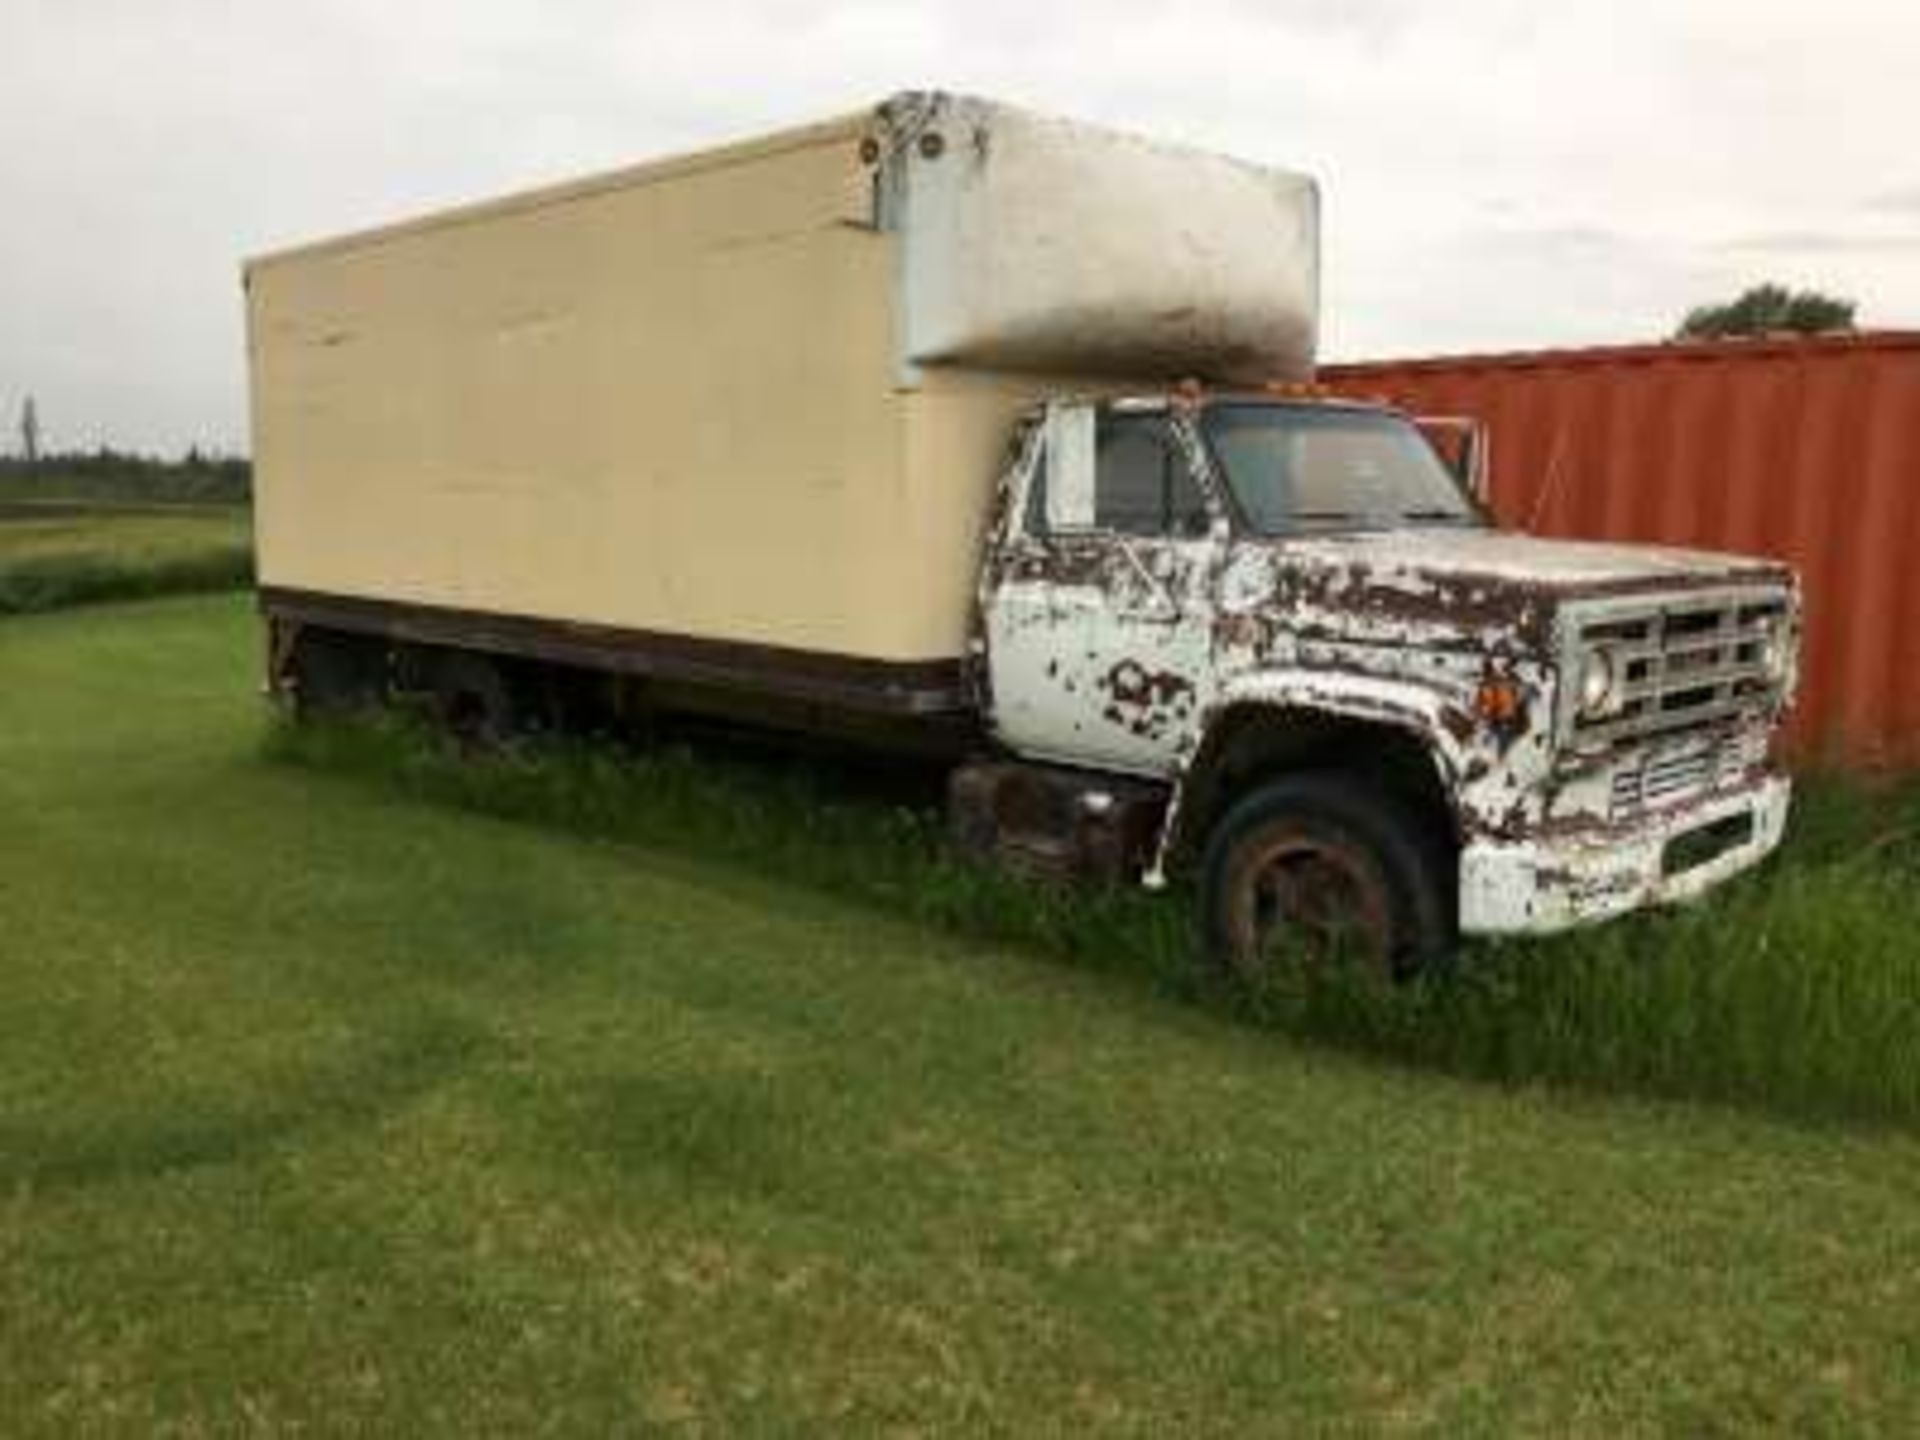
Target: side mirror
1070	456
1465	448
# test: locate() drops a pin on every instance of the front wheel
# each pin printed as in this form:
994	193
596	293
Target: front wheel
1324	868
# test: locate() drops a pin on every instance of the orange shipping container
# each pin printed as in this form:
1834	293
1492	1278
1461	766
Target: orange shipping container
1805	449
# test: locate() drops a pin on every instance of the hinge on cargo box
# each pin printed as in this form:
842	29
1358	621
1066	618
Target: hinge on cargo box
859	200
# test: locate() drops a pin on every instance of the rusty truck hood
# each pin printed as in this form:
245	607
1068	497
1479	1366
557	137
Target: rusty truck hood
1453	588
1448	558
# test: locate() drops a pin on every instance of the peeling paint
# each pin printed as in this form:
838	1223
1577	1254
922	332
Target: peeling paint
1121	652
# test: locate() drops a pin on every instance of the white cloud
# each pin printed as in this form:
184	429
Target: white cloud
1497	173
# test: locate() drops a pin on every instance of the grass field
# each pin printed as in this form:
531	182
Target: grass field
125	480
55	553
328	1105
1796	990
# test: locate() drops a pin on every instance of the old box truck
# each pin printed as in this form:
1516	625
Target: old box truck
953	426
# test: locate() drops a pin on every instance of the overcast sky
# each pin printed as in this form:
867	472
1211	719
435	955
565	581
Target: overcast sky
1496	173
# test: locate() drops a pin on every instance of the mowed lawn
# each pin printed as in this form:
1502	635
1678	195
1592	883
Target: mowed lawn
320	1108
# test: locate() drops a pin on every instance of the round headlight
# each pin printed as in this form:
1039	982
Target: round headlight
1599	685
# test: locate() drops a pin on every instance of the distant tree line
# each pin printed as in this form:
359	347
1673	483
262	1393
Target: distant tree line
123	475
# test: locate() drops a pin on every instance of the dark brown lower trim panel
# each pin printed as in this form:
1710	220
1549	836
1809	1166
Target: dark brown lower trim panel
881	687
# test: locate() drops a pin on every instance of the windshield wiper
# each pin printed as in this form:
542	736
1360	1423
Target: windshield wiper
1435	512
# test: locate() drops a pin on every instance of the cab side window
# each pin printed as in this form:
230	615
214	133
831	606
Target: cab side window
1141	483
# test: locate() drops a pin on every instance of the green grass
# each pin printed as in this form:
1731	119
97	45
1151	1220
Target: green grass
59	553
124	480
1796	989
326	1105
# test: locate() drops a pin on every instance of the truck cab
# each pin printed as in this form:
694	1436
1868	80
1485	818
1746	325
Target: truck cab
1356	709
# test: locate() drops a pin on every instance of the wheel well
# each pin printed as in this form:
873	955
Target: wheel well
317	667
1253	743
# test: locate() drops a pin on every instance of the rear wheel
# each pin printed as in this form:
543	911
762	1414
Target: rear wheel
485	702
334	672
1323	868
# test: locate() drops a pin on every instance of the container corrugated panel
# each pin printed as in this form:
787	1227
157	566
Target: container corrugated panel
1805	449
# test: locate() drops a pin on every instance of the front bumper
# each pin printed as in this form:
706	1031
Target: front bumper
1557	882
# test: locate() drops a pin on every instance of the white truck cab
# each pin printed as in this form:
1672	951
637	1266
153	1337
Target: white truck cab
1373	710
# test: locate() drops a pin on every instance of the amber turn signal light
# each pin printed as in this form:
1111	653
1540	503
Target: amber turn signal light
1497	701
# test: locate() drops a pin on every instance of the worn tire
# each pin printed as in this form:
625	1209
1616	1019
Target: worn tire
334	672
473	700
1321	844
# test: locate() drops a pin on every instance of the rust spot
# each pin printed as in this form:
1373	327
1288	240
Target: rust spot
1130	683
1459	724
1510	611
1241	632
1146	703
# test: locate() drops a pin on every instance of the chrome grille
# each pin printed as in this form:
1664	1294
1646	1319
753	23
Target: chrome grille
1666	774
1686	664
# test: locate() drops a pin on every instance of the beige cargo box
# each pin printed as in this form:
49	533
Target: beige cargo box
756	396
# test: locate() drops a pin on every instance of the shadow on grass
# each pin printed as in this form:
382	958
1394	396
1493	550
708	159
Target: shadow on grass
373	1076
736	1134
1795	989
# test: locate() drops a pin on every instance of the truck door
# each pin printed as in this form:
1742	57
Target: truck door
1099	627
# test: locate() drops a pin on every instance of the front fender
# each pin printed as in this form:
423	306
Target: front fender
1438	718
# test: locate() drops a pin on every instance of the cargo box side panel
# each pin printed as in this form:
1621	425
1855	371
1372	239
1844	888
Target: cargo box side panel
666	406
960	424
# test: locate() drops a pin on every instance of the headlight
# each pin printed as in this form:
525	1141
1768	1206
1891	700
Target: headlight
1776	656
1599	685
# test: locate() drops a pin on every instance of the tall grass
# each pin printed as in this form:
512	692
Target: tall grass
1796	988
56	553
54	582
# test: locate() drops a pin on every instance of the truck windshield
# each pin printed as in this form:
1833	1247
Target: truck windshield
1297	467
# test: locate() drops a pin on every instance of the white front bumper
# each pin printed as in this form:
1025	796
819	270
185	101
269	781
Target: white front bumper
1537	886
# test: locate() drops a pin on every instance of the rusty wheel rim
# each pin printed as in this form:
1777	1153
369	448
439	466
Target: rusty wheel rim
1303	898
